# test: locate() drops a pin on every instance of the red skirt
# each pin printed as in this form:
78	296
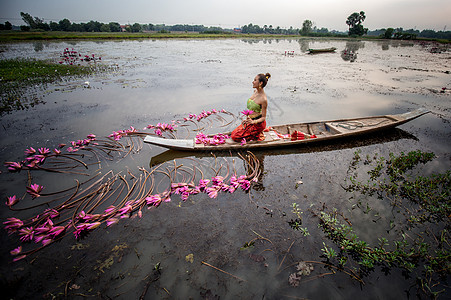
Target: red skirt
249	132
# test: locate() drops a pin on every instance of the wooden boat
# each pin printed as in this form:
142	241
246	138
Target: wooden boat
325	50
297	134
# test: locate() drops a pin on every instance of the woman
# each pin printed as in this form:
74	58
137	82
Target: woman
252	127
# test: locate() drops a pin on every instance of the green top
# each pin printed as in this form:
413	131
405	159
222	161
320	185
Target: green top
254	106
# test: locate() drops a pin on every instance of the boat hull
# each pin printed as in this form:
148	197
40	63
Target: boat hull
314	51
322	130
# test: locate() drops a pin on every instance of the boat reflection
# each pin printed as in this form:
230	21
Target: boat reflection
391	135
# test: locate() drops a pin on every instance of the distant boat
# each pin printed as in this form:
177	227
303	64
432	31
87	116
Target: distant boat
324	50
298	134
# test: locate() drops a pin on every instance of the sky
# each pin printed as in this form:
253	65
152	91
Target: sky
331	14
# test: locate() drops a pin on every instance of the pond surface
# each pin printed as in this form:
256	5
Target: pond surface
163	80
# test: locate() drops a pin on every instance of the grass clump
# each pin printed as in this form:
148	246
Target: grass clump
37	71
21	77
418	235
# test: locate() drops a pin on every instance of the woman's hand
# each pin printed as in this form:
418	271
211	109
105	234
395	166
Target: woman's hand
248	121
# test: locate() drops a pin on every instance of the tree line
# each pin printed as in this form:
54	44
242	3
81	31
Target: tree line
38	24
354	21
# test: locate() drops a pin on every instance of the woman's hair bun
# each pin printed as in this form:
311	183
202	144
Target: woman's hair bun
267	75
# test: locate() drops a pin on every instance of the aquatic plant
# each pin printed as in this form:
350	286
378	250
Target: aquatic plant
104	200
73	57
421	215
21	77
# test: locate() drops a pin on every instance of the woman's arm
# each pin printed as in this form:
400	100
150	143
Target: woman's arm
248	120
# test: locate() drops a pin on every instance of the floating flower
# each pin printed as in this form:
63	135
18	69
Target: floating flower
16	251
110	209
12	200
111	221
212	192
203	183
13	166
57	230
19	258
34	190
27	234
13	224
124	211
153	200
44	151
30	151
243	142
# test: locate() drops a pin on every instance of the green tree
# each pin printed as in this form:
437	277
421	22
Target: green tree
388	33
115	27
354	22
28	19
105	28
136	27
306	27
64	25
93	26
54	26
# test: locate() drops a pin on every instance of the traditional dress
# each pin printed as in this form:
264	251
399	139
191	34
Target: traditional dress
250	132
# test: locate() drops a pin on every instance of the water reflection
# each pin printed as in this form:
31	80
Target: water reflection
304	45
38	46
346	143
350	51
385	45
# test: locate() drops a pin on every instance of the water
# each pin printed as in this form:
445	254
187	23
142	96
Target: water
162	80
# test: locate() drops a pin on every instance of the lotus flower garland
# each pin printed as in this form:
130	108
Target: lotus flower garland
80	211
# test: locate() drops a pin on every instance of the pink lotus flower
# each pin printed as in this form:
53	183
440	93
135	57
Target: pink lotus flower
19	258
247	112
243	142
153	200
13	224
27	234
30	151
57	230
83	228
57	151
91	136
92	226
110	209
217	180
39	158
34	190
16	251
212	192
111	221
44	151
12	200
203	183
47	241
124	211
13	166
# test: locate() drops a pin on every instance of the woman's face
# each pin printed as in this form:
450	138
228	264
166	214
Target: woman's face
256	83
